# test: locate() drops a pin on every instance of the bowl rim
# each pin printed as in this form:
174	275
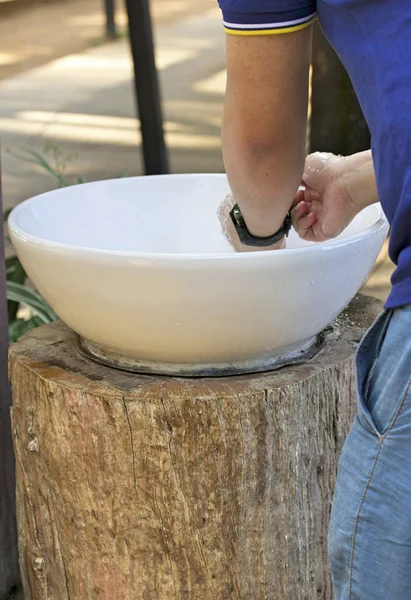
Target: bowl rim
25	236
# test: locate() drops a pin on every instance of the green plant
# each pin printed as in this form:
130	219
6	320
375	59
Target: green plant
19	293
55	166
53	161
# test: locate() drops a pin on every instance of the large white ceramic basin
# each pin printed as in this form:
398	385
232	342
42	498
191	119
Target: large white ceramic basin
140	270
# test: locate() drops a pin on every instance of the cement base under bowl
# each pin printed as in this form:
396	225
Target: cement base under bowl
298	353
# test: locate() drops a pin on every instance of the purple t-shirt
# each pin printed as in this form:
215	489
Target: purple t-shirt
373	40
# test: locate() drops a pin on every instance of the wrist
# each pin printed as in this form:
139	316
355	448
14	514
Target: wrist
249	239
261	225
356	177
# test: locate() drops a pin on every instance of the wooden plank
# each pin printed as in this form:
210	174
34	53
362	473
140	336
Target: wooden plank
9	567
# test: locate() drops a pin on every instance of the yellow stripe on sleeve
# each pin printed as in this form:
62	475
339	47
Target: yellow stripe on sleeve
269	31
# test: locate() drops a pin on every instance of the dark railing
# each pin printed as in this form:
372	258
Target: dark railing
110	10
146	81
147	87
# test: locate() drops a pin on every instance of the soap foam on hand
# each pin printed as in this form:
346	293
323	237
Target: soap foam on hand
224	215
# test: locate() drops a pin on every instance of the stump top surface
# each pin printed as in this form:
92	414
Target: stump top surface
53	352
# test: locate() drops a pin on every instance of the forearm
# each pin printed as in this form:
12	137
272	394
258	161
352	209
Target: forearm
358	178
265	124
264	178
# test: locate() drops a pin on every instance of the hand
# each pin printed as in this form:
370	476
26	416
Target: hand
231	233
328	205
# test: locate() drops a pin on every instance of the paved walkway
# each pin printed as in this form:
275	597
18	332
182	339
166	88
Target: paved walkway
35	35
84	104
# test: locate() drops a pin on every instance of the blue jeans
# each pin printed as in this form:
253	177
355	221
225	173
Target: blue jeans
370	529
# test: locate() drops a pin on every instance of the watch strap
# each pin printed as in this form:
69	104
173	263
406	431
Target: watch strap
248	239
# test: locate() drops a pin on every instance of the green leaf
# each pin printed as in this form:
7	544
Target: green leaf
17	292
14	273
6	215
11	265
19	327
35	158
14	270
80	179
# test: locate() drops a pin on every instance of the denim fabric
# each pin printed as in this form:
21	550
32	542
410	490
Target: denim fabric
370	529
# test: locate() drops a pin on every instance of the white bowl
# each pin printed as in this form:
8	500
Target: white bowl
140	270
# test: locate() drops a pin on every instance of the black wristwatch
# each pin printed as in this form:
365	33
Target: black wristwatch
251	240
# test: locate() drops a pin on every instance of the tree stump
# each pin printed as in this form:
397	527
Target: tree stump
154	488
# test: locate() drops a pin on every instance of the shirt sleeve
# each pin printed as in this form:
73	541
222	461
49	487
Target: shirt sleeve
266	17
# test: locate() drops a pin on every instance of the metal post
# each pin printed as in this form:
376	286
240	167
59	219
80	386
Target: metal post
111	30
9	566
147	87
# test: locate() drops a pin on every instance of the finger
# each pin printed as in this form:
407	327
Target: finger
306	195
299	197
307	221
310	236
305	224
300	210
298	214
311	195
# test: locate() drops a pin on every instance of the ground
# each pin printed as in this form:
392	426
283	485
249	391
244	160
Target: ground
84	102
29	37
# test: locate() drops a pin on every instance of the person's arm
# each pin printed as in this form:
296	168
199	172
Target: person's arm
264	123
358	178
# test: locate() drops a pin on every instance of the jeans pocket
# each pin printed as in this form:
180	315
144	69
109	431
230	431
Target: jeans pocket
365	362
387	393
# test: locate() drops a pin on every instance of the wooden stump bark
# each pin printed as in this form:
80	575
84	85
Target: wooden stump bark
153	488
